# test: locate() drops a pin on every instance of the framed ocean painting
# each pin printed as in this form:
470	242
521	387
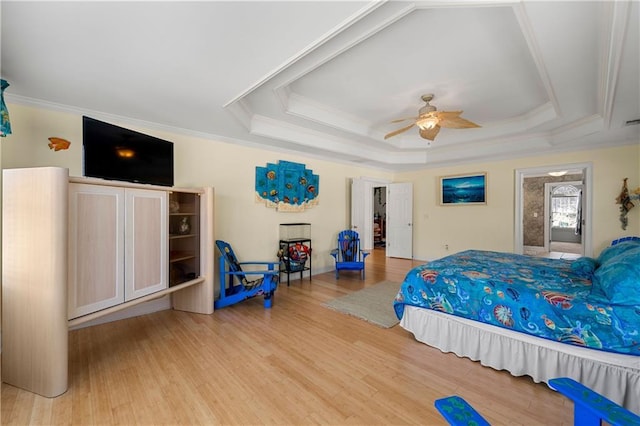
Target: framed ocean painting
462	190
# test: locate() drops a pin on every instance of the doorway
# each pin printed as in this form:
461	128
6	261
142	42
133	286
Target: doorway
535	232
380	217
398	210
563	218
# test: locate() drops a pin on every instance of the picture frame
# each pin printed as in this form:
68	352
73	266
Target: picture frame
463	190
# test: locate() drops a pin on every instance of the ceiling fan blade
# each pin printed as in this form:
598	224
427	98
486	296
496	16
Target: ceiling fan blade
457	123
404	119
446	115
430	133
397	132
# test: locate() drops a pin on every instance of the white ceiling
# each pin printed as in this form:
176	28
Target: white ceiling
326	78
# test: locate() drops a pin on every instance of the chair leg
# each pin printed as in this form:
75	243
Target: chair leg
268	300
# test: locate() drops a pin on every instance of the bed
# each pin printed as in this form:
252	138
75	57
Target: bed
540	317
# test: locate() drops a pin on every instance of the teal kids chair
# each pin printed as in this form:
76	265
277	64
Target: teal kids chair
235	284
349	256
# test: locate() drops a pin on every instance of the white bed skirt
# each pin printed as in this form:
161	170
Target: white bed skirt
615	376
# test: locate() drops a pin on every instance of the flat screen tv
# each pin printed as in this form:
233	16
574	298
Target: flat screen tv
116	153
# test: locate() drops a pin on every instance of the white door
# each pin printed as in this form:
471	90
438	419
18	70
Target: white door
400	220
96	241
362	211
146	242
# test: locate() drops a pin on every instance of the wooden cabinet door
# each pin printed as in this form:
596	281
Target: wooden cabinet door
146	242
96	244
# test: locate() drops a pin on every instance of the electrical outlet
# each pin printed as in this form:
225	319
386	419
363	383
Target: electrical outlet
446	246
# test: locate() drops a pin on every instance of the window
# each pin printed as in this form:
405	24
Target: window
565	200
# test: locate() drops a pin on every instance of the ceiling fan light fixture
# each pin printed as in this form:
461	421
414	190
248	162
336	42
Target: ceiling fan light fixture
430	120
427	123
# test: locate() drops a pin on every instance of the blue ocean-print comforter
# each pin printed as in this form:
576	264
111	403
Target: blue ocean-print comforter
538	296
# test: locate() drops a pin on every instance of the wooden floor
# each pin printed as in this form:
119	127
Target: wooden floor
298	363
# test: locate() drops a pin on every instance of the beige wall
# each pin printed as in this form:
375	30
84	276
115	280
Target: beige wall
491	226
252	228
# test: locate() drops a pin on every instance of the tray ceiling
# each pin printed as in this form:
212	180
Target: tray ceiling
326	78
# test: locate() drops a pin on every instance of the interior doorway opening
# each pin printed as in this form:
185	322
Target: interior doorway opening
553	211
563	217
380	217
398	225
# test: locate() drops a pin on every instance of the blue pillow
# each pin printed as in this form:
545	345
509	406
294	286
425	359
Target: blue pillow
584	266
612	251
618	280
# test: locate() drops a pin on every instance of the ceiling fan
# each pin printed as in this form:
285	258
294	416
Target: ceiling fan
430	120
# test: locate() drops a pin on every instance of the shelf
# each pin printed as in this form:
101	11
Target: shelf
178	236
296	240
179	256
184	247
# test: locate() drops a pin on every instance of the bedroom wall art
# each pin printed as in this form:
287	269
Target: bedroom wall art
287	186
5	124
463	189
625	200
58	144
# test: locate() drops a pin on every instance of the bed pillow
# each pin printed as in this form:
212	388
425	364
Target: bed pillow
612	251
584	266
618	280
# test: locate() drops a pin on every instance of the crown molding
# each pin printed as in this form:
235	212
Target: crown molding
616	17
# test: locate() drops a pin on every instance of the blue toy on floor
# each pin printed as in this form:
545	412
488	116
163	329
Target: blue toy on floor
231	269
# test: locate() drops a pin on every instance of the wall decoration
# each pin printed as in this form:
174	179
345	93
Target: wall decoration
58	144
5	124
463	189
625	200
287	186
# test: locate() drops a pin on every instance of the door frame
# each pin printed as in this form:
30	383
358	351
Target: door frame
587	178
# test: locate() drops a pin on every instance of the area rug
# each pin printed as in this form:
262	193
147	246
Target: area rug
373	304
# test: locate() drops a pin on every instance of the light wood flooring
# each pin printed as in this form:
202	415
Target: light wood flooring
298	363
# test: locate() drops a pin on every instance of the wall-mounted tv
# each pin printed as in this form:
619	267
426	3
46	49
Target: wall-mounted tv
116	153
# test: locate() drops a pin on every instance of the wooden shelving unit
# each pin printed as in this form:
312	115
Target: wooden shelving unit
184	237
36	228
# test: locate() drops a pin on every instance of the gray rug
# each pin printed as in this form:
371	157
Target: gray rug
373	304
